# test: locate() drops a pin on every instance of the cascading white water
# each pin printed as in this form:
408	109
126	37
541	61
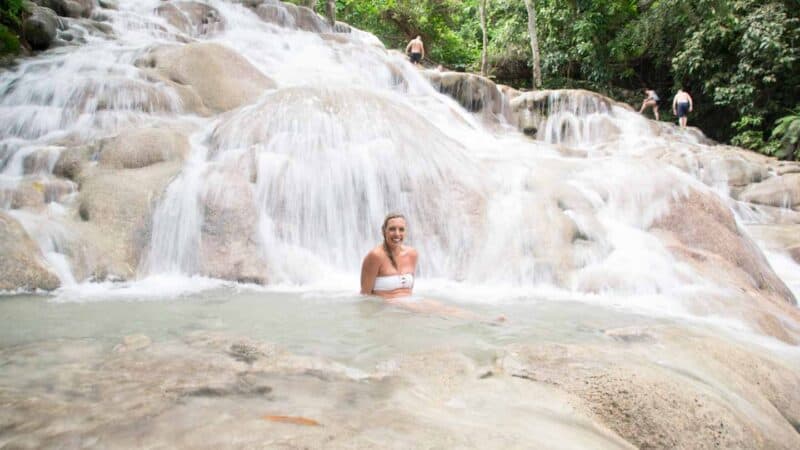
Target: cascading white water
291	186
244	142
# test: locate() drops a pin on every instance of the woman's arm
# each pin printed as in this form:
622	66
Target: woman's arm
369	271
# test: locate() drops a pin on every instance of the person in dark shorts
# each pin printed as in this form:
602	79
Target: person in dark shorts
682	105
415	50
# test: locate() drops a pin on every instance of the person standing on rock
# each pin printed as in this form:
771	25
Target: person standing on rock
415	50
651	99
682	105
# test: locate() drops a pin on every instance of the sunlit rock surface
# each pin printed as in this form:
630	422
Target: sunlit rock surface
137	148
22	265
215	76
687	400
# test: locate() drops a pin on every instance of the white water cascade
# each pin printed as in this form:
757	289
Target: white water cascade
261	146
232	162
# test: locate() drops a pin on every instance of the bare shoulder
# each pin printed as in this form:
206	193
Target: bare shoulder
375	255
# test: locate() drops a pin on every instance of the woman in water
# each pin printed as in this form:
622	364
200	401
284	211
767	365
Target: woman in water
388	271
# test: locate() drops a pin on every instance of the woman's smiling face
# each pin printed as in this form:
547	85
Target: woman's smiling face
395	231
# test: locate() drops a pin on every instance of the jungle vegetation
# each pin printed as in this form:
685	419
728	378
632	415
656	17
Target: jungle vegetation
740	59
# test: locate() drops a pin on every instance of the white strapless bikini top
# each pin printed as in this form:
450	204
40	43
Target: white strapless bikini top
392	282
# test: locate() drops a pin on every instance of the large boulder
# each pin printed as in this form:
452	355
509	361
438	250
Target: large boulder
475	93
731	166
68	8
690	396
292	16
137	148
229	242
702	232
193	18
39	29
703	224
22	265
782	191
115	208
208	76
530	110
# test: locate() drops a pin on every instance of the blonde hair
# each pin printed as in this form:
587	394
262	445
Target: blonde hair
390	216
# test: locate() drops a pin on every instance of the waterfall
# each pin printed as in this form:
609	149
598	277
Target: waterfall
256	144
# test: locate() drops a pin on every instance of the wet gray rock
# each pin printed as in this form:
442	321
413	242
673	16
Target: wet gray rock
529	110
68	8
475	93
22	265
292	16
39	29
108	4
193	18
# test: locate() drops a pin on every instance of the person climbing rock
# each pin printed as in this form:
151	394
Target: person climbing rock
651	99
415	50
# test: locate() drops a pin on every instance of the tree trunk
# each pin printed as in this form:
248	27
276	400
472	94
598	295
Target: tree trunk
330	10
537	65
482	9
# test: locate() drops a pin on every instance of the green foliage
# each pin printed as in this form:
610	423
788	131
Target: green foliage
10	21
449	28
11	13
9	42
746	60
785	138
